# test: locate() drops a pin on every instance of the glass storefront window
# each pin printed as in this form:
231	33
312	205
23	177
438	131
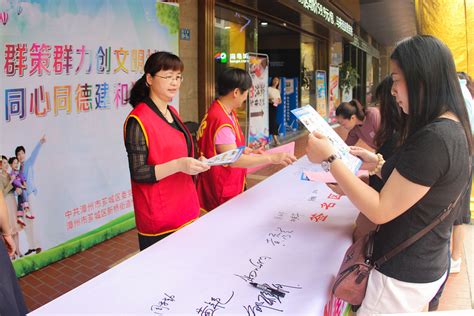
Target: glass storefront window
235	37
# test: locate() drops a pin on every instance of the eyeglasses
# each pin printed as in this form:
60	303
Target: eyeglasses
171	78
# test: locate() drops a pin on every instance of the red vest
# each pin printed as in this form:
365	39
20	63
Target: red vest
172	202
218	184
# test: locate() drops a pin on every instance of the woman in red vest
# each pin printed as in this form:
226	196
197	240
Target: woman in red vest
160	153
219	132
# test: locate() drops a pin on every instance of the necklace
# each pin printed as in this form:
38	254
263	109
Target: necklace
166	112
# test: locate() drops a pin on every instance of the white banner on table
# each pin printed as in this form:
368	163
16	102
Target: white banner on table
272	233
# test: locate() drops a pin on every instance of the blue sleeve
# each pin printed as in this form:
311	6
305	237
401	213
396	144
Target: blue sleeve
34	154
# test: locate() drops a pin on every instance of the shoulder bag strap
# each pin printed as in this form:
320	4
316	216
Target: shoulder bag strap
422	232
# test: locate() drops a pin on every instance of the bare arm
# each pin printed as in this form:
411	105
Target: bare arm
6	231
396	197
249	161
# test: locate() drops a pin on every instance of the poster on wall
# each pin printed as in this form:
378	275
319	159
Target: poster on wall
258	101
321	93
333	93
68	67
289	96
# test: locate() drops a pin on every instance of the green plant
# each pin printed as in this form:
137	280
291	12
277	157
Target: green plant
348	77
168	14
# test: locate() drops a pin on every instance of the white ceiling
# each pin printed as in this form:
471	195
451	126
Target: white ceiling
388	21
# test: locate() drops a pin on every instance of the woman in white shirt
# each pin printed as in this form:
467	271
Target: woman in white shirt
274	99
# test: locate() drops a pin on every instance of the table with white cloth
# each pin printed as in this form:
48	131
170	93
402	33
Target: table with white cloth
285	232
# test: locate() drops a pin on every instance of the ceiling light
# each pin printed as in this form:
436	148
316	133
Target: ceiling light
263	23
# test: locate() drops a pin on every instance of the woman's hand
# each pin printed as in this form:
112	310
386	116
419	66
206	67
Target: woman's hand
369	159
18	191
192	166
319	147
284	159
9	244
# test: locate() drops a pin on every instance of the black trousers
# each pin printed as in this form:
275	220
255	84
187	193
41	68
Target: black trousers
11	297
272	119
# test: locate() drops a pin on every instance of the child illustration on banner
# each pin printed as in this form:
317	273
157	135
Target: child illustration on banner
18	181
27	168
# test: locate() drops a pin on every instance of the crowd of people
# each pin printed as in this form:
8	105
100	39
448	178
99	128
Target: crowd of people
420	112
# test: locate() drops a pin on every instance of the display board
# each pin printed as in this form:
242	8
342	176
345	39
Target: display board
67	69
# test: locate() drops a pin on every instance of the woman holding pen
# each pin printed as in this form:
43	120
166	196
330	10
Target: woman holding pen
219	132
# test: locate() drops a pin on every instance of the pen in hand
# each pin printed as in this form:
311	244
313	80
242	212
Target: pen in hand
268	289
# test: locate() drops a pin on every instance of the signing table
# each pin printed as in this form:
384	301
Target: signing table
285	232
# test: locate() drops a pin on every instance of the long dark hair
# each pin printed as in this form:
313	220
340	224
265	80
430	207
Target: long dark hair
353	107
156	62
433	87
390	113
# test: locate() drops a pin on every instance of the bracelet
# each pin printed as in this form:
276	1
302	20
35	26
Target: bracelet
380	162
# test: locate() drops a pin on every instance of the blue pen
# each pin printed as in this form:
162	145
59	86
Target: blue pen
268	289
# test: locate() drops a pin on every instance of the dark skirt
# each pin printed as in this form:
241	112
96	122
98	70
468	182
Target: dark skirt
146	241
11	297
272	119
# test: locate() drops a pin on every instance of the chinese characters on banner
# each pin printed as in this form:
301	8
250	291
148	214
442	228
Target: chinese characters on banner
38	60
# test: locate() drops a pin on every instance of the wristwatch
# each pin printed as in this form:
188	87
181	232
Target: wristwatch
326	164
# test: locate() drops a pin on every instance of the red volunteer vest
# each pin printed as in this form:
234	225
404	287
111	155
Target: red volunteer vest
172	202
218	184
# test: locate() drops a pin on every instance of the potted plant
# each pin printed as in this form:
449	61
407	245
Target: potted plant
348	77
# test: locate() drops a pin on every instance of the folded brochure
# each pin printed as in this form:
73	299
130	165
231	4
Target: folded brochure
314	122
225	158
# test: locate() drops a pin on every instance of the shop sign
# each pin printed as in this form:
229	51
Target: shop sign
221	57
185	34
233	58
329	16
238	58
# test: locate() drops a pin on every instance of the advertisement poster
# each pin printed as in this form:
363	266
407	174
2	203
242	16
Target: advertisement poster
68	67
290	102
258	101
321	93
289	96
333	93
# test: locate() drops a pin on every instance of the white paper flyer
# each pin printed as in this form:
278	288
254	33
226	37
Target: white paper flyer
314	122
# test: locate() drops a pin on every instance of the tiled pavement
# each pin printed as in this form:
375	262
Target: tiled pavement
46	284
